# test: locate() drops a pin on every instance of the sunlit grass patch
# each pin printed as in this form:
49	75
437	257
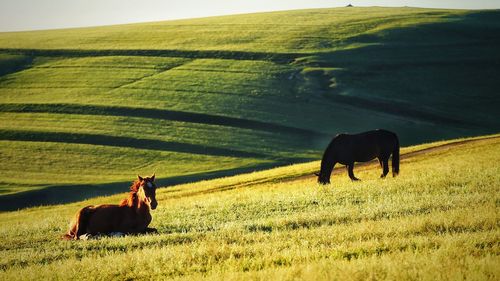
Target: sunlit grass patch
272	226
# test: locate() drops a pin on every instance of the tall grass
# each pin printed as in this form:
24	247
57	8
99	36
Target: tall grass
438	220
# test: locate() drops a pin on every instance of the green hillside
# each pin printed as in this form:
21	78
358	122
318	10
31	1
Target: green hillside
438	220
89	108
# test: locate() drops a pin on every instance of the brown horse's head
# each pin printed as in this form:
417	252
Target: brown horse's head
146	191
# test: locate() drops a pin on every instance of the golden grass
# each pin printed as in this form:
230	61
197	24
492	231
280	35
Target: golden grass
437	221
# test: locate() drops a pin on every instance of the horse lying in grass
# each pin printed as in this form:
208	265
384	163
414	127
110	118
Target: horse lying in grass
131	216
347	149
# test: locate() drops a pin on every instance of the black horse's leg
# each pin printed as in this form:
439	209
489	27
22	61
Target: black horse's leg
147	230
350	170
385	168
151	230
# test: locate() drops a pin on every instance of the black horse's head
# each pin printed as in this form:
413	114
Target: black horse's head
323	178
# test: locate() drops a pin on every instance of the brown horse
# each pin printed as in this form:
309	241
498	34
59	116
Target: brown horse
130	216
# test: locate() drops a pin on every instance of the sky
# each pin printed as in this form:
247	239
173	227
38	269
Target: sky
19	15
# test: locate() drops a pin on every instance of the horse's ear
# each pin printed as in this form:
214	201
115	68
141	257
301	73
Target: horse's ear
153	177
317	174
139	178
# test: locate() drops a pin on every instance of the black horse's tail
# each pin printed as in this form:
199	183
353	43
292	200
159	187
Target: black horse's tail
79	226
395	157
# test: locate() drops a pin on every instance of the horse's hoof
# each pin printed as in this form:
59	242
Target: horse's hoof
151	230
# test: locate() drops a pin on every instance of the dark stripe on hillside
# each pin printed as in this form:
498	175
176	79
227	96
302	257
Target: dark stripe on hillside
401	110
216	54
159	114
62	194
15	64
19	135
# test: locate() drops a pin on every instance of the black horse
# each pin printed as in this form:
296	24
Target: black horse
347	149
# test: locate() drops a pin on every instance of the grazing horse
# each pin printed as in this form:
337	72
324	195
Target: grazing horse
130	216
347	149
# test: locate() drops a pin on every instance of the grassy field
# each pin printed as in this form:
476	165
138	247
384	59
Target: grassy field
89	108
439	220
299	31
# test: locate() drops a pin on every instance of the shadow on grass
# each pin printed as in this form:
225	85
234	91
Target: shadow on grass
15	63
62	194
443	73
163	114
216	54
19	135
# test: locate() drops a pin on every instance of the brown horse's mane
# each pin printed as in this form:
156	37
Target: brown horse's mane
132	199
